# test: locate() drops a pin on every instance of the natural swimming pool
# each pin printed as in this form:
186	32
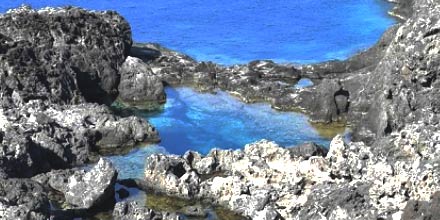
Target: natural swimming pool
201	121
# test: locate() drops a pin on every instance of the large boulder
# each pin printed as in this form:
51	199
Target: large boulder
91	189
139	86
63	54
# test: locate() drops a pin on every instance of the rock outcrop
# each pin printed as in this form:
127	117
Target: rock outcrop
263	181
54	63
65	55
266	181
59	71
257	81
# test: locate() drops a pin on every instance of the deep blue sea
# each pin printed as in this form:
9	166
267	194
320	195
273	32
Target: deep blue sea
238	31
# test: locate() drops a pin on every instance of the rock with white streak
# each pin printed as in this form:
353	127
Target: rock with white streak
93	188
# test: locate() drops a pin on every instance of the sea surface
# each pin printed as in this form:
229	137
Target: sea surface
238	31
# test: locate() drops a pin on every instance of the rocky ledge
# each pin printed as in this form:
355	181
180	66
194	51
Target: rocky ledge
266	181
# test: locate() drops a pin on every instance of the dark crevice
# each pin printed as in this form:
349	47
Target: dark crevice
432	32
390	94
429	80
388	129
90	87
344	96
178	170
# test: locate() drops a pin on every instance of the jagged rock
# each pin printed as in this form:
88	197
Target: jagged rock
248	181
342	201
205	165
18	157
139	86
171	175
23	199
110	131
68	136
80	49
427	210
56	179
194	211
308	150
267	214
135	211
94	188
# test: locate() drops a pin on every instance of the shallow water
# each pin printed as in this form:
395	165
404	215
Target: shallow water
201	121
238	31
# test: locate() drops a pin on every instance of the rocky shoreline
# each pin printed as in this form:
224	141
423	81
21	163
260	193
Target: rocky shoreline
61	69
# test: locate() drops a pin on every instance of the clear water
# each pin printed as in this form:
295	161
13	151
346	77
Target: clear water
303	83
202	121
238	31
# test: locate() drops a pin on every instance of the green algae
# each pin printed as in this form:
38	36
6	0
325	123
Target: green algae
160	202
224	214
329	130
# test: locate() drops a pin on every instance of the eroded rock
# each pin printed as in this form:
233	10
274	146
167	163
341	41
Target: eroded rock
94	188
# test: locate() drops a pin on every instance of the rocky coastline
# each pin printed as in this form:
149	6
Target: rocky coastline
62	68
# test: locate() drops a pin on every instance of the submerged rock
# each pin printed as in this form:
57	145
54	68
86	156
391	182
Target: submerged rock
135	211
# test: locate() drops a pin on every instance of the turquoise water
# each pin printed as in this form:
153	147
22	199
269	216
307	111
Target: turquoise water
238	31
202	121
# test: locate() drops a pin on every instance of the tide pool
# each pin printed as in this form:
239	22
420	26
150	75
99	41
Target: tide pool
238	31
201	121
